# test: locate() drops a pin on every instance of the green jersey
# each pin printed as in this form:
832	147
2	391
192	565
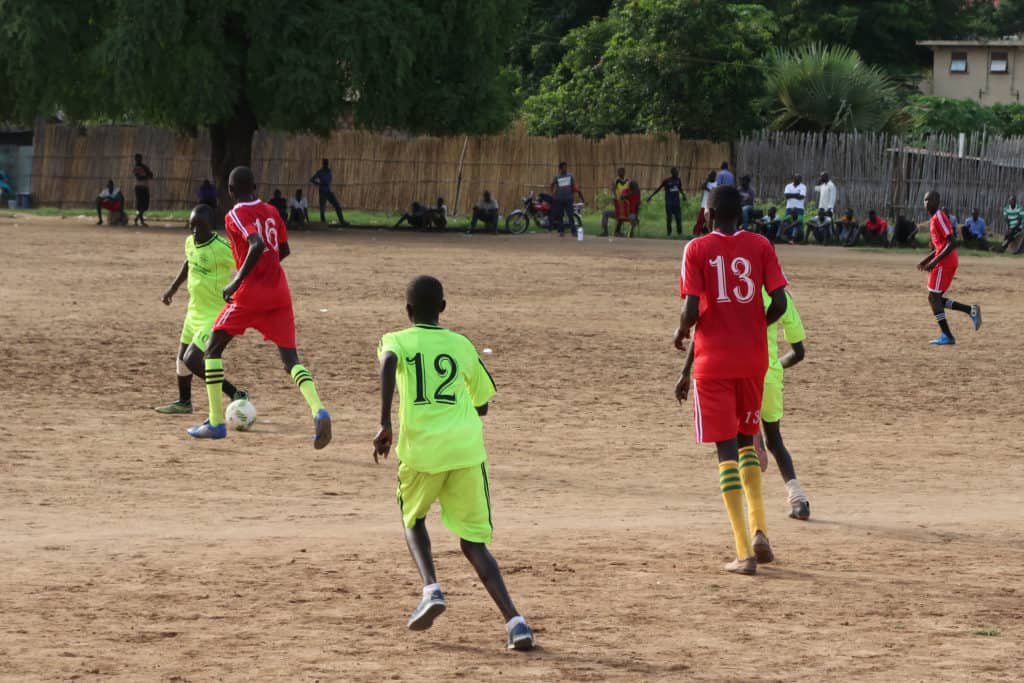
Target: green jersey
210	267
441	381
792	330
1013	216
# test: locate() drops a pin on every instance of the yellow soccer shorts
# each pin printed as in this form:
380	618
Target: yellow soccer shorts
197	329
771	401
463	493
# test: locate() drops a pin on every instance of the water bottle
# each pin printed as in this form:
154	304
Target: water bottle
579	233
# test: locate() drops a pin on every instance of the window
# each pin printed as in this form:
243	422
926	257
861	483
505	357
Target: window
1000	63
958	64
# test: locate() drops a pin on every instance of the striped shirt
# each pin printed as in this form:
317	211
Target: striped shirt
1013	216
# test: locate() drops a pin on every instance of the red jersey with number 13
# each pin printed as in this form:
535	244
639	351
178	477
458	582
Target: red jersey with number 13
727	272
266	285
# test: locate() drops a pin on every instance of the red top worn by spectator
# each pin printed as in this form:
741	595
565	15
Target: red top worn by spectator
876	225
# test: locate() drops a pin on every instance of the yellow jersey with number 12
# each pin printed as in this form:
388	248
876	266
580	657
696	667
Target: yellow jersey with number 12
441	381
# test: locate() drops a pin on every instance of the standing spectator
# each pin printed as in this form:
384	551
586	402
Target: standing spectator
701	227
281	204
323	179
849	231
725	176
875	230
1014	215
111	199
796	193
770	225
826	194
564	188
821	227
485	211
673	187
142	177
747	197
974	231
207	194
618	210
298	209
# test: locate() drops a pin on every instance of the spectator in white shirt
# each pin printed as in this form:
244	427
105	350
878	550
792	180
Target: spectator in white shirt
796	193
298	209
485	211
826	194
702	227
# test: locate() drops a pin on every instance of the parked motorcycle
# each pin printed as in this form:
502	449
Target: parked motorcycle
537	209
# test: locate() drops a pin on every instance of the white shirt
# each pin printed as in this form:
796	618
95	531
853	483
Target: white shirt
801	190
107	194
707	193
301	204
827	196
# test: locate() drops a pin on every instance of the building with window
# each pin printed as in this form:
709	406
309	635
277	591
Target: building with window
980	70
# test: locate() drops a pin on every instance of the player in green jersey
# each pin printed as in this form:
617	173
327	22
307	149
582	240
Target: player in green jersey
444	389
208	268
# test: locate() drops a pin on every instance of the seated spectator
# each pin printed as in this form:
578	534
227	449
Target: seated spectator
417	217
905	233
5	187
821	227
207	194
485	211
280	203
876	230
111	199
747	197
298	209
849	231
439	215
632	197
770	225
793	227
973	231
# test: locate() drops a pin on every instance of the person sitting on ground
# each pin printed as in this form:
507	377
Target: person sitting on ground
485	211
875	230
1014	215
111	199
973	231
298	209
849	231
632	197
416	218
207	194
905	233
821	227
793	228
281	204
770	225
437	217
747	197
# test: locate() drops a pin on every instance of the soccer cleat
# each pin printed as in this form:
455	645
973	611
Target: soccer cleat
208	431
762	549
521	638
976	316
746	566
322	425
176	408
800	510
431	607
240	395
943	340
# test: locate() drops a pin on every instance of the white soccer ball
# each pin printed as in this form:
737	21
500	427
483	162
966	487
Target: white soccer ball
240	415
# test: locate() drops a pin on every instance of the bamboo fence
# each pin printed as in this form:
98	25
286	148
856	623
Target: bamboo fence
371	170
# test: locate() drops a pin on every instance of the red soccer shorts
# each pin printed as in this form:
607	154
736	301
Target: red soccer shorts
276	324
941	276
110	205
723	408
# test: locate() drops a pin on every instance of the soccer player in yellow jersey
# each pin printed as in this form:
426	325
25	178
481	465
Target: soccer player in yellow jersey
208	268
444	389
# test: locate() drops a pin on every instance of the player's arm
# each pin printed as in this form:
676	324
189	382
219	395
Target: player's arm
382	441
923	265
482	410
778	305
283	251
178	282
660	187
794	356
687	319
256	249
950	246
683	383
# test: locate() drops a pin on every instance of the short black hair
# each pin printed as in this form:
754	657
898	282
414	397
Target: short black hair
205	212
725	164
562	163
725	202
932	194
242	179
425	296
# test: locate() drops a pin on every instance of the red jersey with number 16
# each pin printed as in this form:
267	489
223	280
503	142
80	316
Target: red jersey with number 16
727	272
266	285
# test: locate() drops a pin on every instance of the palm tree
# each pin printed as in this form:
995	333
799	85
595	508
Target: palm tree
819	88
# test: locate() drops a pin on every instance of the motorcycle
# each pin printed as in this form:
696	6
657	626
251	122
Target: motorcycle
537	209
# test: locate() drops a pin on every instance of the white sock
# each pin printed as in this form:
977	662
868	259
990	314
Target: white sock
796	493
513	622
427	590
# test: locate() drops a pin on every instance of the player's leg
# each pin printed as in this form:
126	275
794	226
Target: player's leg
605	215
748	412
99	211
972	310
323	207
196	365
213	367
337	209
304	382
184	402
771	417
416	493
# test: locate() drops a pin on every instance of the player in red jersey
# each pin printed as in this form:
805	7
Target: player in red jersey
257	297
941	264
721	280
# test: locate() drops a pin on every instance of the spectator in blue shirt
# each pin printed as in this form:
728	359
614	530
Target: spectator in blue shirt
322	179
725	177
973	230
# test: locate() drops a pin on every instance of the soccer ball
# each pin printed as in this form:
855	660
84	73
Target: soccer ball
240	415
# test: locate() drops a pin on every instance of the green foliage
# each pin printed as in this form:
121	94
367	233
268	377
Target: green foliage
936	115
652	66
818	88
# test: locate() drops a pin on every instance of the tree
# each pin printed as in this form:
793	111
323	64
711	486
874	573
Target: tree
233	66
819	88
685	66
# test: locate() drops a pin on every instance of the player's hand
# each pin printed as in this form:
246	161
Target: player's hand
167	297
680	336
229	291
683	386
382	443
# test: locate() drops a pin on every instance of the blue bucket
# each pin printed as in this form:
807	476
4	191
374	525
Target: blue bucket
24	200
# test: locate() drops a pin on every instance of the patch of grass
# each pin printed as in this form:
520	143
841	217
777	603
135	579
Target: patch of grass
988	632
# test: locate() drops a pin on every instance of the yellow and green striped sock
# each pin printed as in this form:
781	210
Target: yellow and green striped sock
214	379
304	381
750	474
732	495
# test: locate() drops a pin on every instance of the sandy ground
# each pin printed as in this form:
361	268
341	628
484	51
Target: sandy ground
130	552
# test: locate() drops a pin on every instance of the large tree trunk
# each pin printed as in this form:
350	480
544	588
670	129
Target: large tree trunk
231	146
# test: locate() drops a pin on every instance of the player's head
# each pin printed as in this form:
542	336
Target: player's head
138	158
797	178
725	206
298	193
110	186
424	299
674	172
487	195
277	194
974	213
711	176
931	202
872	215
241	183
200	222
772	211
440	202
745	180
1013	200
823	178
326	163
821	213
621	171
562	167
725	165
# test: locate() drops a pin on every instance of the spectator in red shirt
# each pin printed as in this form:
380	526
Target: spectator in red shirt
876	230
632	197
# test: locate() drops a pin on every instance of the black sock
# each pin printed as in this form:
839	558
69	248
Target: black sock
229	389
956	305
943	325
185	389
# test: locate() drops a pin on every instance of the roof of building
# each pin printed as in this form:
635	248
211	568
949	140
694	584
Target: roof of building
998	42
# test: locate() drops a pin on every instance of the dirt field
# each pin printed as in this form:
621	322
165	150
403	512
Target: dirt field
130	552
